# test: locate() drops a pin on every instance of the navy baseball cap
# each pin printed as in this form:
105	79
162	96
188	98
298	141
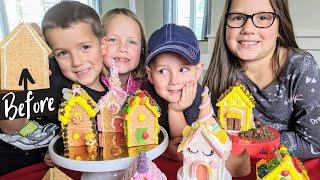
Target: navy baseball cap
174	38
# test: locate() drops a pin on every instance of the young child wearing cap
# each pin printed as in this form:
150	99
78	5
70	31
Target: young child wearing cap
173	66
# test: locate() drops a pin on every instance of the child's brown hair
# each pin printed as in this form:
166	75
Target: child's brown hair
224	64
66	13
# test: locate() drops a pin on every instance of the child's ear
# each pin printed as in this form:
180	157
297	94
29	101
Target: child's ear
104	45
148	70
199	69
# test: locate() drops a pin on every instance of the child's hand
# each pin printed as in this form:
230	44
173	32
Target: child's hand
47	160
171	151
187	97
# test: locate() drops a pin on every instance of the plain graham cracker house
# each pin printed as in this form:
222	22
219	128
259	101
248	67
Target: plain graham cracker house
24	49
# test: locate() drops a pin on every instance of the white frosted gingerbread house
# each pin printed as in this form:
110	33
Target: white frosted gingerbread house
141	114
77	116
23	53
235	109
205	147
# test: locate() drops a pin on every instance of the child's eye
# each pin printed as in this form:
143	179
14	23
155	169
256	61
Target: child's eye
184	69
85	46
112	39
133	42
209	154
163	71
61	54
237	17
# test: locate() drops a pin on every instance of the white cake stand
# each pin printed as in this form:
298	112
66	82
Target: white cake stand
107	169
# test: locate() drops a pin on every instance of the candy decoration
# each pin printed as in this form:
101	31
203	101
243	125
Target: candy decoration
214	165
262	170
145	135
284	173
297	164
141	117
76	136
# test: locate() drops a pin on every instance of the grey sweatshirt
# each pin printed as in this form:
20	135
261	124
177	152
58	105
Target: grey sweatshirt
292	104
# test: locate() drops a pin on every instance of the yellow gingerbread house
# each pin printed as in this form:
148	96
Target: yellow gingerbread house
23	54
205	146
281	165
141	114
235	109
77	116
87	152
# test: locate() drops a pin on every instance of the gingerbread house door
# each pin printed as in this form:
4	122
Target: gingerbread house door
233	124
202	172
234	117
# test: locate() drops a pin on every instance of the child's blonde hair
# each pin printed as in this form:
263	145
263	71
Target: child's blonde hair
106	18
224	65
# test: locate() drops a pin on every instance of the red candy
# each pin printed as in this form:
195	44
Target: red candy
284	173
145	135
141	94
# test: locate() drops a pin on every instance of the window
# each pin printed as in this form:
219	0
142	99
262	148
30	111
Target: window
17	11
190	13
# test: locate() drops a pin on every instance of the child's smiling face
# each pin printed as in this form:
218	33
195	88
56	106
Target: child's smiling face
169	73
78	53
248	42
123	43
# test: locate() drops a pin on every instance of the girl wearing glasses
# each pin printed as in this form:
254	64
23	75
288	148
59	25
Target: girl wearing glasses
255	44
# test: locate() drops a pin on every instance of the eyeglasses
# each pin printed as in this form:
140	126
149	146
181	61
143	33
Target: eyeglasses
259	20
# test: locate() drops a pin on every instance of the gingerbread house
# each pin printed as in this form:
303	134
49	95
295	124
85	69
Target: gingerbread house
136	150
110	118
281	165
141	114
235	109
205	146
77	153
114	146
77	116
143	169
54	174
23	54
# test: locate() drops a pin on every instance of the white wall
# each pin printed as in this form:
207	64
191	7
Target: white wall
110	4
305	17
153	11
140	11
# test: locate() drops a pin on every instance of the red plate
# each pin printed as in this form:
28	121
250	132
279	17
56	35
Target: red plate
254	147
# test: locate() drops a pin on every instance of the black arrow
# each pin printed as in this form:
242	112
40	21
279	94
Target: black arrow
25	76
